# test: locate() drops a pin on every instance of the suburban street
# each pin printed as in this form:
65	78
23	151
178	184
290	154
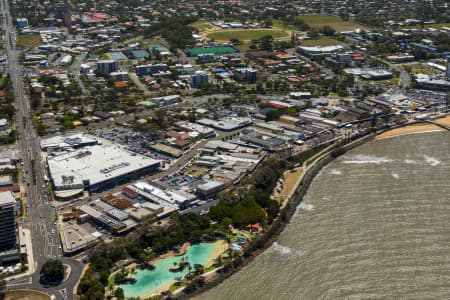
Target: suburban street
41	217
75	69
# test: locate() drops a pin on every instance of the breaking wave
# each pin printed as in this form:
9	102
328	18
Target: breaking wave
410	162
335	172
431	160
306	206
280	249
367	159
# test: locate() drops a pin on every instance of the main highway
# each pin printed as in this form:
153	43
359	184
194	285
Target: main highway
41	216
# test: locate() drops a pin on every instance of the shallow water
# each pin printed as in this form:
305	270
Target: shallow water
149	281
375	224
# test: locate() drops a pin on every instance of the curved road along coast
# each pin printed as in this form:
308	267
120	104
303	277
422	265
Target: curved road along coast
41	215
373	225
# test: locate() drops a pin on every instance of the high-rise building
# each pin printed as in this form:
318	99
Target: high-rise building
7	221
107	66
198	78
144	70
22	23
63	12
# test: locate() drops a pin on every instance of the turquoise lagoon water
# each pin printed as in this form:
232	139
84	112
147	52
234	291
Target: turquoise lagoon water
149	281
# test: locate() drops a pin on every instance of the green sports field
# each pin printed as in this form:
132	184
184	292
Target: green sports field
318	21
211	50
246	34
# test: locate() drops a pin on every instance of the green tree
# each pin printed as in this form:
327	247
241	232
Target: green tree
235	41
273	114
119	294
342	93
313	33
52	271
247	212
2	284
266	43
199	269
327	30
268	23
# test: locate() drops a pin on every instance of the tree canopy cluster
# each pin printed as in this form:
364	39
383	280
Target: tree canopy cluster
175	30
52	271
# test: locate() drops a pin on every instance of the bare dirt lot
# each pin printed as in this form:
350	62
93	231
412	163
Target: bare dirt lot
26	295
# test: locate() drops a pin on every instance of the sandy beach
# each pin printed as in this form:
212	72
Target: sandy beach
163	287
411	129
180	252
290	178
222	246
444	120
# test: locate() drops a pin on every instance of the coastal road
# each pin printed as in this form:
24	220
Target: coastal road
138	83
41	217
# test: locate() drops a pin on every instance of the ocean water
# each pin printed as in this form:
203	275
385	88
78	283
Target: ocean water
149	281
375	224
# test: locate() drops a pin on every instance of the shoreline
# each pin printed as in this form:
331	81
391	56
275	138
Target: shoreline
319	161
171	253
444	120
393	135
419	127
164	287
222	246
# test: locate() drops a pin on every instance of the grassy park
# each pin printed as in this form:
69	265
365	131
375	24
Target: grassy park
29	40
281	25
246	34
422	68
202	25
318	21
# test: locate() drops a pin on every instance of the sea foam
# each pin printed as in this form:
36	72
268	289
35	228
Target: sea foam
280	249
367	159
305	206
335	172
431	160
410	162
